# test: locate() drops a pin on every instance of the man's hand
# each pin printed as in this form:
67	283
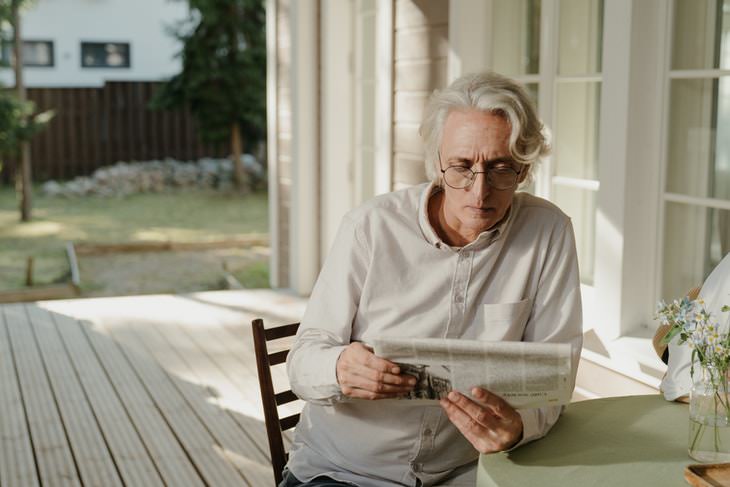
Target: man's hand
362	374
488	422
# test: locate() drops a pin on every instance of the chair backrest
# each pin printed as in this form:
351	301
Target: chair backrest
271	400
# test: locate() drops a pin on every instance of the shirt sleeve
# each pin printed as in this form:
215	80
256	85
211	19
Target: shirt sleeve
326	327
556	317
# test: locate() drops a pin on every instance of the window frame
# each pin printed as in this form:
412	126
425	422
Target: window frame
669	74
620	302
84	43
7	52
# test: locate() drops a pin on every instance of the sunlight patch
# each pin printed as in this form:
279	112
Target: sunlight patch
35	229
174	234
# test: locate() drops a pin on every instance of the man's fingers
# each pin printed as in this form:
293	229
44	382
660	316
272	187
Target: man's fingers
496	404
480	436
380	364
474	411
488	422
362	381
366	394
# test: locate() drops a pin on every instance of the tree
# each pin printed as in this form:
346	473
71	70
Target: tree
223	77
18	122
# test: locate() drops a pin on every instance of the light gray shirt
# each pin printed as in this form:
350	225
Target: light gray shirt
389	274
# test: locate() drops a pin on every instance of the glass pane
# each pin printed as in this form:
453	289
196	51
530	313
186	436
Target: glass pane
516	37
695	240
580	206
581	36
112	55
576	130
701	34
698	158
533	90
37	53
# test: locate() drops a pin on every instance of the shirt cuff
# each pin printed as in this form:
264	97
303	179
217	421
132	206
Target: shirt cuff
530	426
320	384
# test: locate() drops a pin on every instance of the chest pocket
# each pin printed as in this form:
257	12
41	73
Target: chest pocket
505	321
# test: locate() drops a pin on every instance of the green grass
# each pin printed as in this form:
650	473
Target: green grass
255	275
181	216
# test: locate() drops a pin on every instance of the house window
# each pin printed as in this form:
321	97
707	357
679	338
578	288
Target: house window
696	196
564	77
105	55
35	53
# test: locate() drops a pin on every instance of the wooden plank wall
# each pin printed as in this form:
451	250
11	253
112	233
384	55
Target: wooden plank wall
420	66
95	127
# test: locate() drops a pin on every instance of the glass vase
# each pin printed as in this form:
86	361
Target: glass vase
709	416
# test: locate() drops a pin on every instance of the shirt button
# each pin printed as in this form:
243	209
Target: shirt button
427	432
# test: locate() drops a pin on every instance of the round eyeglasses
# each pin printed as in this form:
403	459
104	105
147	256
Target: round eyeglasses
498	177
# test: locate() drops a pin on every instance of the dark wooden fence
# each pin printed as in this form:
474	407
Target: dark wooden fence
96	127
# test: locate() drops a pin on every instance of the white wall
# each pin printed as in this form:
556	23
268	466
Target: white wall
141	23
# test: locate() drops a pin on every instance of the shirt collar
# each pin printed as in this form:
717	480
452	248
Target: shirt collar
483	240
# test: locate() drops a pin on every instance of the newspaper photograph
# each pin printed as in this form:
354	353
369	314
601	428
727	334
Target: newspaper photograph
525	374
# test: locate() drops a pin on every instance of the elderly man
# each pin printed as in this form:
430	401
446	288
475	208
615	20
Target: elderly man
464	256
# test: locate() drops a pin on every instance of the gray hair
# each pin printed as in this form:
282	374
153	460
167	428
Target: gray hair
490	92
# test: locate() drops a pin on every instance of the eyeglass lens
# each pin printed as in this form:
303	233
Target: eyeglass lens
462	177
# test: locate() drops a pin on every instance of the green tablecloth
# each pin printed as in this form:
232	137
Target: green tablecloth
619	441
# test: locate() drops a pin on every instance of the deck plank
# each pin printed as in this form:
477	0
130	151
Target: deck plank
200	389
17	462
170	458
125	444
192	434
240	361
52	452
95	465
144	390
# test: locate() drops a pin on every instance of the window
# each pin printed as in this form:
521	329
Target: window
105	55
365	93
35	53
696	196
564	77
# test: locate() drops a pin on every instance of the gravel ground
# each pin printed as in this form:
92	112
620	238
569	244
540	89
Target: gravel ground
171	272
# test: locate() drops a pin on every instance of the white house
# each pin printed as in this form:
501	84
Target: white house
83	43
636	94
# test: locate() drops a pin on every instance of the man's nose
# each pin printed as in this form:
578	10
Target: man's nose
480	186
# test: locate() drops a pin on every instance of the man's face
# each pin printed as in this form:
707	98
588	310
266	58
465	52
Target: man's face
477	140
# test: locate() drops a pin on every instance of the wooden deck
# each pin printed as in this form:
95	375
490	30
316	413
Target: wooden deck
135	391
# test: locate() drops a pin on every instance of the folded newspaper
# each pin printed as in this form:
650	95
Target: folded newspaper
525	374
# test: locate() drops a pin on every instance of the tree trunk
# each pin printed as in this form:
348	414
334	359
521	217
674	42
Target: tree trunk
24	174
239	174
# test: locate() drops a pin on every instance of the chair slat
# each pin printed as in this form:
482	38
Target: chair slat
285	397
278	357
289	422
281	331
269	399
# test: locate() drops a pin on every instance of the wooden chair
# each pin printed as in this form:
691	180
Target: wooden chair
271	400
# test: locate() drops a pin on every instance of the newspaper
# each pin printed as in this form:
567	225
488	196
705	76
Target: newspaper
525	374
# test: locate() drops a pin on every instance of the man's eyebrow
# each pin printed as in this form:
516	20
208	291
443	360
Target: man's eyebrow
488	162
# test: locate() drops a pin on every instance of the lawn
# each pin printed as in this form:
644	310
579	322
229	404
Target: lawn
190	216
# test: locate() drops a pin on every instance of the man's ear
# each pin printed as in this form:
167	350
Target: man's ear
523	174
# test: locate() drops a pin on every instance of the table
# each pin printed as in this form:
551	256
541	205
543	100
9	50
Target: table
618	441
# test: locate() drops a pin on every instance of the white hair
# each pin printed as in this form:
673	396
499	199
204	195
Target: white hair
490	92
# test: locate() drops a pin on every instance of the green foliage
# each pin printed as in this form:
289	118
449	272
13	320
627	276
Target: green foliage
18	122
223	77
